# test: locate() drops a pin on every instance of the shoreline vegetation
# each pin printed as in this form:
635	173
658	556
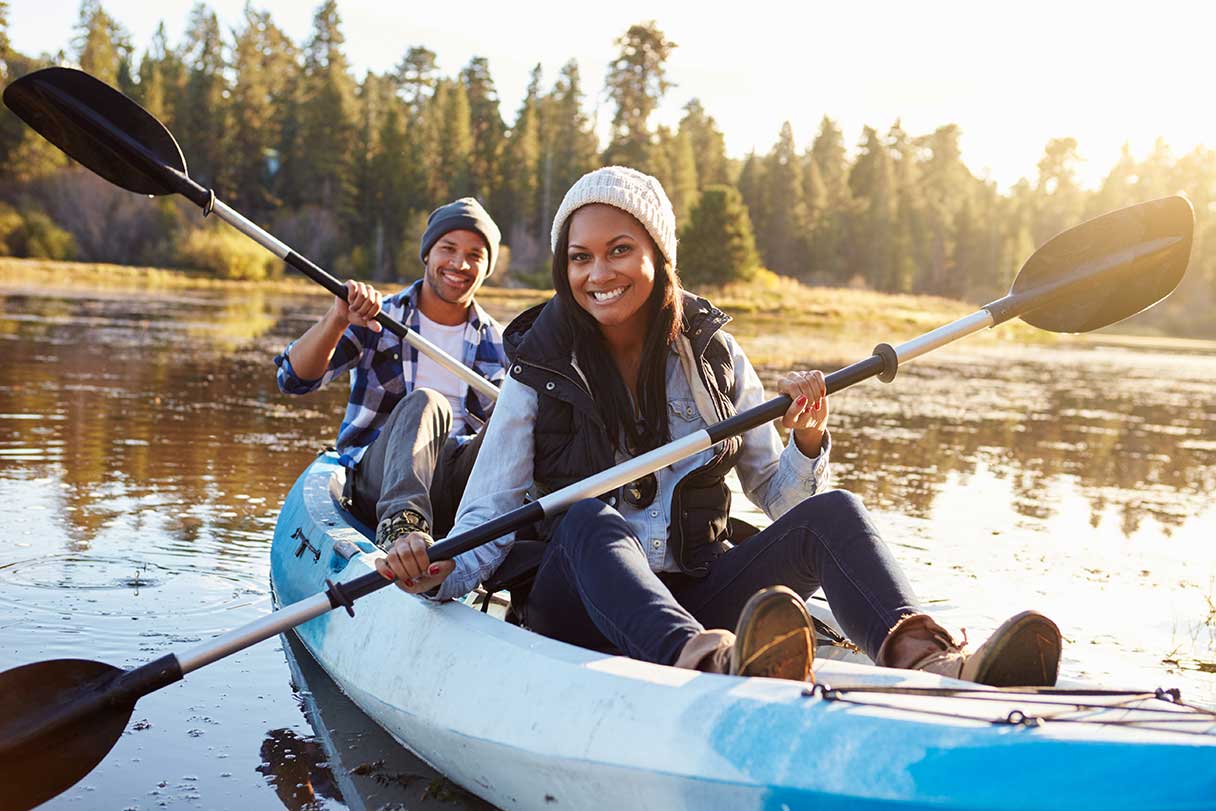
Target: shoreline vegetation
345	168
837	325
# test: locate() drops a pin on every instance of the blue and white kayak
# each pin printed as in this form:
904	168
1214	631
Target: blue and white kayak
527	722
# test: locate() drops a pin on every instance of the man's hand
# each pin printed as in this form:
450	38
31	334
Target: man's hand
360	308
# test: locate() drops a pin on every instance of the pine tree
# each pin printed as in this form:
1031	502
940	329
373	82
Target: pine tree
1059	197
910	253
5	45
418	76
569	147
521	219
488	130
328	106
125	81
11	128
636	83
872	183
390	166
829	204
814	192
708	145
320	129
455	141
1119	188
201	111
365	224
829	154
100	42
717	245
160	75
784	227
823	243
1157	176
751	187
264	65
24	154
679	171
944	183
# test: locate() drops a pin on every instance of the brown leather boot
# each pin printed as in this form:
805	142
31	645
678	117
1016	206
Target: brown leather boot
1023	652
773	639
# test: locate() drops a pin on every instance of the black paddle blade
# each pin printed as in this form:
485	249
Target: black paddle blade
39	760
1109	268
98	127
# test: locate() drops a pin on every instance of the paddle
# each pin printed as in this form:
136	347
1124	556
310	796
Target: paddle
107	132
59	718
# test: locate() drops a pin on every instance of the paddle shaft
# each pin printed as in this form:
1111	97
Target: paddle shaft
181	183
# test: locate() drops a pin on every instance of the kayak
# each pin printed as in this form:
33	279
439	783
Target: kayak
527	722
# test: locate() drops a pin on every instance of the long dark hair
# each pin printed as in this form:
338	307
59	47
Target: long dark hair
665	310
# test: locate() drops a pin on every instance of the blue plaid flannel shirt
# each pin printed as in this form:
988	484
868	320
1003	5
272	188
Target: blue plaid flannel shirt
380	378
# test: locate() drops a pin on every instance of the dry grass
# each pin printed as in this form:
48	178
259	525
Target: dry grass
778	319
53	274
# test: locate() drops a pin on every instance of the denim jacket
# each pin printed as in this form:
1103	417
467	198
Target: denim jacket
773	478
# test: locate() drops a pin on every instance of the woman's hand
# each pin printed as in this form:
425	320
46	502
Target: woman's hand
408	565
807	416
360	308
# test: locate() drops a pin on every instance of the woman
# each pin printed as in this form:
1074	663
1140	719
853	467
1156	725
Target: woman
621	361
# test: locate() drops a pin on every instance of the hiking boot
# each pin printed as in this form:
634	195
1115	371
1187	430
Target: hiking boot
1023	652
400	525
772	639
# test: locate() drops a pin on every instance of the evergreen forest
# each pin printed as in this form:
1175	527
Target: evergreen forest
345	169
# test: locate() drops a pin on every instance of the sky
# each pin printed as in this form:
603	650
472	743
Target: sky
1011	75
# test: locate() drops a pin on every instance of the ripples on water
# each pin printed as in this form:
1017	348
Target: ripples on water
144	450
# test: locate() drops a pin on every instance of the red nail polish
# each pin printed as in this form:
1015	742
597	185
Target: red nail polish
409	581
801	401
434	569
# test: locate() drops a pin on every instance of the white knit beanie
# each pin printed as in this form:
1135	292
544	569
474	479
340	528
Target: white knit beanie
631	191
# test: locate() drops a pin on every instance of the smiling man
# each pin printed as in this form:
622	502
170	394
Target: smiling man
412	428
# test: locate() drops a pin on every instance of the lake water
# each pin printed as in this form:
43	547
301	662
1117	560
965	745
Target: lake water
144	451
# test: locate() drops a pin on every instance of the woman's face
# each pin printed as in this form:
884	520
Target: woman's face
610	265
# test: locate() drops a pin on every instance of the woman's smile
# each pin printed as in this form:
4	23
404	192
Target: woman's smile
606	296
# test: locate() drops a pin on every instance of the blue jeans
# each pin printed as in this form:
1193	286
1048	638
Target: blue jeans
595	589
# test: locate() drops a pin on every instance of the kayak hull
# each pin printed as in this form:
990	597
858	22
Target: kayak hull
529	722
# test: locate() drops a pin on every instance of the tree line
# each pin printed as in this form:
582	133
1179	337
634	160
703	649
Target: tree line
345	170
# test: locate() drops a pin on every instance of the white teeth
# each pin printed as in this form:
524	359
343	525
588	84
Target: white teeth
607	295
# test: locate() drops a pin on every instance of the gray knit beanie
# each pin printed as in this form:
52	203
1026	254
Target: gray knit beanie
631	191
465	214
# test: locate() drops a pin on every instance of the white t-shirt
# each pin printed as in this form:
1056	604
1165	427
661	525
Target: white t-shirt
431	375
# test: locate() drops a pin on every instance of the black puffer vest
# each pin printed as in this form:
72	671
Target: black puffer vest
571	442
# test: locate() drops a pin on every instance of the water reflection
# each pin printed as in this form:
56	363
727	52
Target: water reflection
144	450
1125	433
372	769
297	769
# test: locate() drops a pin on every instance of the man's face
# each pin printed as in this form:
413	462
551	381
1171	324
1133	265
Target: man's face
456	266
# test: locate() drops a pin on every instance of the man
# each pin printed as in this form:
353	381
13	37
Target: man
412	428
